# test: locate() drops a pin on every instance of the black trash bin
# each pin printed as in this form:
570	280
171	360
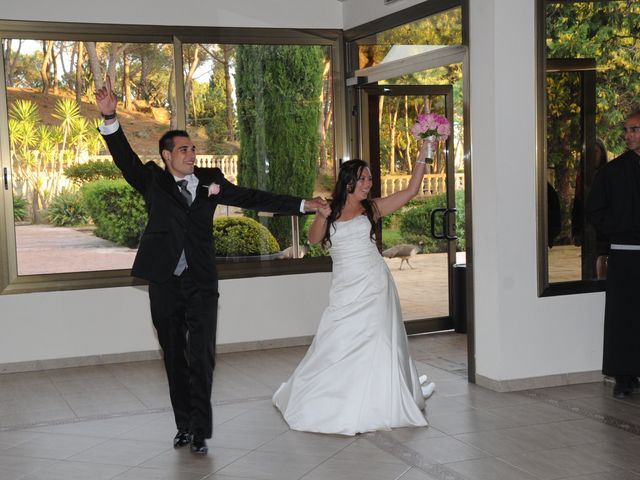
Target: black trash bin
460	297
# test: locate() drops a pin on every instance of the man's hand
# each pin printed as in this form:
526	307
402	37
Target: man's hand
106	101
313	204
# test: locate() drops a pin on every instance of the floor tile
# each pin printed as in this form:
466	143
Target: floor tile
444	449
304	443
489	469
156	474
53	446
122	452
468	421
261	465
558	463
66	470
344	469
14	468
182	460
616	474
362	450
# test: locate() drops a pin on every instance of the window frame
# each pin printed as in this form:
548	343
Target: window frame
11	282
546	289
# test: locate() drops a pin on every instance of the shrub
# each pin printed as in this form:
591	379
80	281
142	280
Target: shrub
67	210
81	173
20	208
117	210
242	236
415	223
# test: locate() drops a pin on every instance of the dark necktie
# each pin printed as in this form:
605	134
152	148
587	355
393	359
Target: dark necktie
182	262
184	190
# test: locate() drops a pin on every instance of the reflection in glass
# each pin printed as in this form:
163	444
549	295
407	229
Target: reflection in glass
605	33
424	35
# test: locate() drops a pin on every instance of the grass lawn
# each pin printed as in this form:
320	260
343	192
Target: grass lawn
391	237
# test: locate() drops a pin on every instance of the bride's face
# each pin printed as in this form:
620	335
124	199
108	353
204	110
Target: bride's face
363	184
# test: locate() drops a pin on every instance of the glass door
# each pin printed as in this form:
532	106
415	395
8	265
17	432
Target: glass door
420	242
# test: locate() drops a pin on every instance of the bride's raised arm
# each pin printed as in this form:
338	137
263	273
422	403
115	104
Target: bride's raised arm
393	202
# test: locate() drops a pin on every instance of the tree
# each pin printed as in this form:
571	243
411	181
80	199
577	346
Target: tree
191	64
278	89
324	126
215	112
608	33
47	47
126	81
79	78
10	65
94	64
223	56
39	152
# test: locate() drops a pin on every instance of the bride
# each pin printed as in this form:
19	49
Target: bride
357	375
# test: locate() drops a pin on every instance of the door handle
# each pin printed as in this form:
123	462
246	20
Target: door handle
446	232
434	212
445	223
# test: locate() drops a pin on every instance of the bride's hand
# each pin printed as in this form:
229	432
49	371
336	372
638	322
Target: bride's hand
324	212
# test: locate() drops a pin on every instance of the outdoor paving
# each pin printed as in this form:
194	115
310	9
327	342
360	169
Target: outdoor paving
46	249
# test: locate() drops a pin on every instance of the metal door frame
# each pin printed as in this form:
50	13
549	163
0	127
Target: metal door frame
368	119
446	56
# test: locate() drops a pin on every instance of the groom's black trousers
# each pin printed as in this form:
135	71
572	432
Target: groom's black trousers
185	317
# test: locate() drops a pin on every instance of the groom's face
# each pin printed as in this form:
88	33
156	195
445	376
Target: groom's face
182	158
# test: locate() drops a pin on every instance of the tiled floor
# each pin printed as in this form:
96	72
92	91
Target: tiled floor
114	422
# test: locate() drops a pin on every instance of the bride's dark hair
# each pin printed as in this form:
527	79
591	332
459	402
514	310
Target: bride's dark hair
348	176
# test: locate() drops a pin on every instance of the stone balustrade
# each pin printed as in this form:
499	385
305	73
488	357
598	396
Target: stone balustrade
432	184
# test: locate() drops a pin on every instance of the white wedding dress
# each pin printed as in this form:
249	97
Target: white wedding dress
357	375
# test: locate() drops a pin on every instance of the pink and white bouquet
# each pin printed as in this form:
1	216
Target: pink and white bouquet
431	127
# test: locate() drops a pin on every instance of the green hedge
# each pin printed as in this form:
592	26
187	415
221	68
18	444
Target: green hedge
80	173
242	236
117	211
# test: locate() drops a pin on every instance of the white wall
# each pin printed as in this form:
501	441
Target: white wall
214	13
518	335
103	322
358	12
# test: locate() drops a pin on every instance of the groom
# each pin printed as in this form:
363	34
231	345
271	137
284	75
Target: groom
176	256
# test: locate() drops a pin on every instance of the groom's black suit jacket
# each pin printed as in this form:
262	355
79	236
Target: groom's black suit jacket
173	225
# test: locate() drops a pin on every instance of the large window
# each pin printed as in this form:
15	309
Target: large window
262	113
589	64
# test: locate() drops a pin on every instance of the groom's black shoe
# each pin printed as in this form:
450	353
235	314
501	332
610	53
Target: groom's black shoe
181	439
199	445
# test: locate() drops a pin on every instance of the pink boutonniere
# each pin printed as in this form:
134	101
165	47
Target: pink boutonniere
213	189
